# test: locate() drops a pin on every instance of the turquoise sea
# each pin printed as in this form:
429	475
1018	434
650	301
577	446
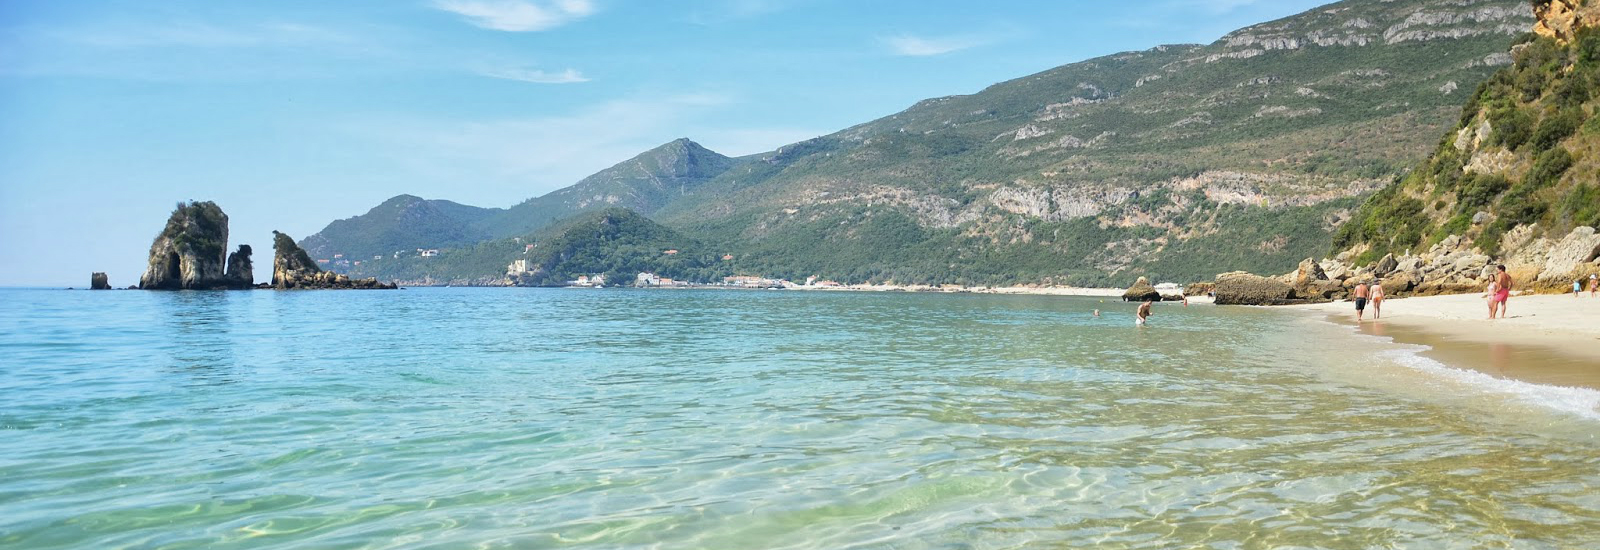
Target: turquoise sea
567	418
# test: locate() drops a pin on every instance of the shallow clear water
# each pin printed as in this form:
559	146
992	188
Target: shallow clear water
545	418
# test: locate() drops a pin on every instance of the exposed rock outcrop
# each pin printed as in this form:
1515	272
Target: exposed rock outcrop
1241	288
1141	291
189	253
97	281
1580	246
1561	19
293	268
241	273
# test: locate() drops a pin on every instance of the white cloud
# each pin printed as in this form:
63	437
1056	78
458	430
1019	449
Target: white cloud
906	44
518	15
536	76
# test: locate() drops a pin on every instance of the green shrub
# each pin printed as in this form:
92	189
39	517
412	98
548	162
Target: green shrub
1548	168
1557	127
1480	191
1512	127
1581	206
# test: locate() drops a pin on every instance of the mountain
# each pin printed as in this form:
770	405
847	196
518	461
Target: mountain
403	223
644	184
1178	161
1515	174
616	242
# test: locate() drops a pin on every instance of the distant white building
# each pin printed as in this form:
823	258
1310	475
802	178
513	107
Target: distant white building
647	279
518	267
431	252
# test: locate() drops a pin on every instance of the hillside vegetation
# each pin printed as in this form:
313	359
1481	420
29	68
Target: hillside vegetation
1177	162
1523	154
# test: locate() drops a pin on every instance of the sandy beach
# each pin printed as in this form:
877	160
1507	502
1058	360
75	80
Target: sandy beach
1546	339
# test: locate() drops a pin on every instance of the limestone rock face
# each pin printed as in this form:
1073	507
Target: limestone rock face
97	281
189	253
1141	291
1386	265
1580	246
293	268
1241	288
1562	19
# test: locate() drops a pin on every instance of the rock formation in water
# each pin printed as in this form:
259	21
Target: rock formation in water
1240	288
241	272
190	252
97	281
293	268
1141	291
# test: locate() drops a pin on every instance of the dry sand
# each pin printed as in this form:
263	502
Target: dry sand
1545	339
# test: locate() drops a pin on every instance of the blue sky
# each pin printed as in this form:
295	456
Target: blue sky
292	114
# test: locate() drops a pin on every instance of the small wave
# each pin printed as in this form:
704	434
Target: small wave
1582	402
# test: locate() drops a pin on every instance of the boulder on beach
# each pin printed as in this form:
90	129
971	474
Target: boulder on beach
1242	288
98	281
1199	289
1580	246
1141	291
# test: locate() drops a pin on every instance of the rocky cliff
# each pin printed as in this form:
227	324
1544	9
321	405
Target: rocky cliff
1513	182
1562	19
190	252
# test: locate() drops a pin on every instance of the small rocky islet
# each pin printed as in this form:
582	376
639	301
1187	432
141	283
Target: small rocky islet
190	253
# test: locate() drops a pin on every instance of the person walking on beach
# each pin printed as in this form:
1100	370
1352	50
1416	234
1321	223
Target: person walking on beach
1143	314
1594	284
1360	294
1577	288
1376	291
1504	282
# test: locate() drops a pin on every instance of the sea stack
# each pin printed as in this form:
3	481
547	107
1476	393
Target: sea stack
293	268
97	281
1141	291
189	253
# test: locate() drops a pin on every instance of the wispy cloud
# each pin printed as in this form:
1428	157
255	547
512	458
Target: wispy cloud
906	44
536	76
518	15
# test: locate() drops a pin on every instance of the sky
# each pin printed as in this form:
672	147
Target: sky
292	114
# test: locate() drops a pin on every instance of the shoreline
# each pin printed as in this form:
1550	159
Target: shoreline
1548	339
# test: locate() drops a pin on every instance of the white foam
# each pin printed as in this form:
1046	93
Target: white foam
1580	402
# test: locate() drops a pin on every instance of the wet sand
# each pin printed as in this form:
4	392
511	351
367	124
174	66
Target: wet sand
1546	339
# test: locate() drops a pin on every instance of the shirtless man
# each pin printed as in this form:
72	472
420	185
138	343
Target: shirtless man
1376	290
1144	313
1360	295
1503	282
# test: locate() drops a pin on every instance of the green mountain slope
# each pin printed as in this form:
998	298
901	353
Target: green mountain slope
403	223
643	184
1176	161
616	242
1522	155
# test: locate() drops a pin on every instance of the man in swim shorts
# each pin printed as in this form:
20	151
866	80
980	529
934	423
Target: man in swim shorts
1143	314
1360	295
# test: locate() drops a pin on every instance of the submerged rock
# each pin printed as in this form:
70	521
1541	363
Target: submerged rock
189	253
97	281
